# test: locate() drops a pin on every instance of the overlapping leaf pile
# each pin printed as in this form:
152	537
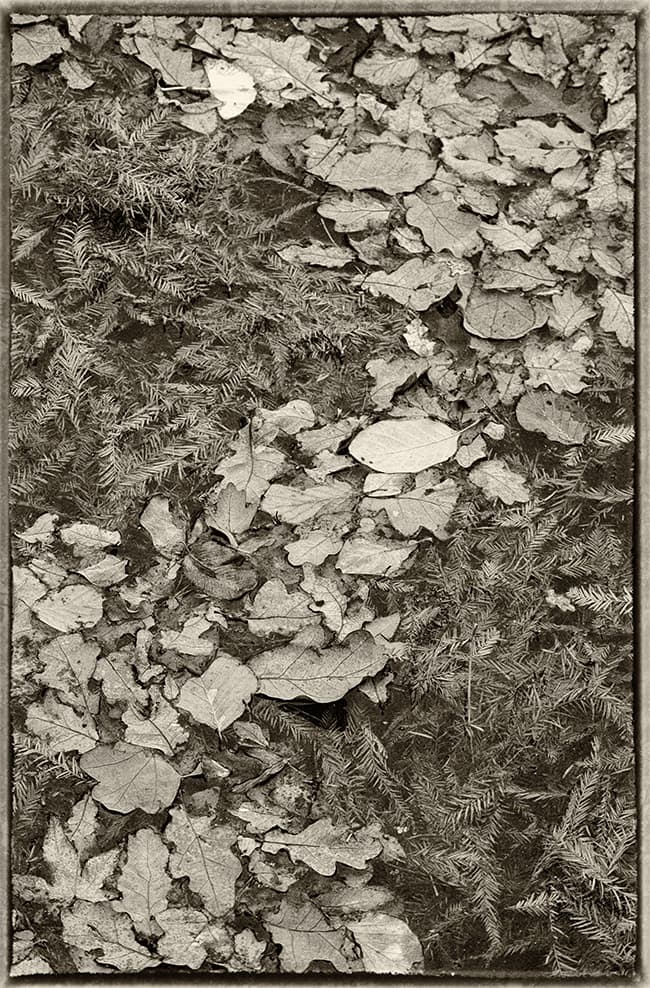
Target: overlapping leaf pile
478	166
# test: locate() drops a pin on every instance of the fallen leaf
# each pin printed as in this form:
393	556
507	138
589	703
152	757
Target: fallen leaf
354	900
305	935
219	696
202	854
232	87
321	256
97	929
189	935
231	515
35	43
159	729
70	608
296	506
174	65
68	663
130	778
313	548
168	537
533	144
409	446
82	824
505	236
373	558
144	883
569	252
444	226
382	68
451	114
361	212
211	36
384	484
618	315
87	539
421	508
327	597
276	611
501	315
227	583
390	375
322	676
387	167
188	639
388	945
499	482
322	846
543	412
281	69
329	438
559	366
75	74
251	468
471	452
105	572
41	531
480	25
290	418
61	726
471	158
417	283
116	673
569	312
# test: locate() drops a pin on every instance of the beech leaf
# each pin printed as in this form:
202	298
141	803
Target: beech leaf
408	446
70	608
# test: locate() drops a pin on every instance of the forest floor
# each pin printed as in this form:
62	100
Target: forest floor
322	466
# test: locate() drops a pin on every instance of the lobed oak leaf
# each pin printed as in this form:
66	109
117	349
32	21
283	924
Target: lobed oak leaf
444	226
387	167
189	935
95	927
322	846
305	935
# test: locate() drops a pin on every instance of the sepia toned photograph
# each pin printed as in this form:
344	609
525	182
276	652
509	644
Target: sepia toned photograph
321	448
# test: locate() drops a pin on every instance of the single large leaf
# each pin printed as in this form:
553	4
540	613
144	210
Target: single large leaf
202	853
70	608
305	935
174	65
322	846
61	726
388	945
96	927
219	696
167	537
444	226
560	365
251	468
499	482
420	508
387	167
35	43
275	611
417	283
130	778
144	882
233	87
451	114
86	539
501	315
188	935
281	69
371	557
618	315
393	446
543	412
295	506
361	212
322	676
69	662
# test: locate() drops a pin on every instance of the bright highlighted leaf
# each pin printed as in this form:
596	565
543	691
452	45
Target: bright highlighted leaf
388	945
219	696
233	87
144	882
499	482
322	846
406	446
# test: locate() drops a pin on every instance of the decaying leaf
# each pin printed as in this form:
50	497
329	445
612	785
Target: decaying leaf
304	935
296	506
390	375
428	508
219	696
544	412
188	937
372	557
560	365
202	853
276	611
322	846
68	663
158	728
501	315
322	676
96	927
499	482
404	446
388	945
61	726
168	537
144	882
324	256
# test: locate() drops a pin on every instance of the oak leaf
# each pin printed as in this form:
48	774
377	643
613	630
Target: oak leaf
281	69
97	927
305	935
322	846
